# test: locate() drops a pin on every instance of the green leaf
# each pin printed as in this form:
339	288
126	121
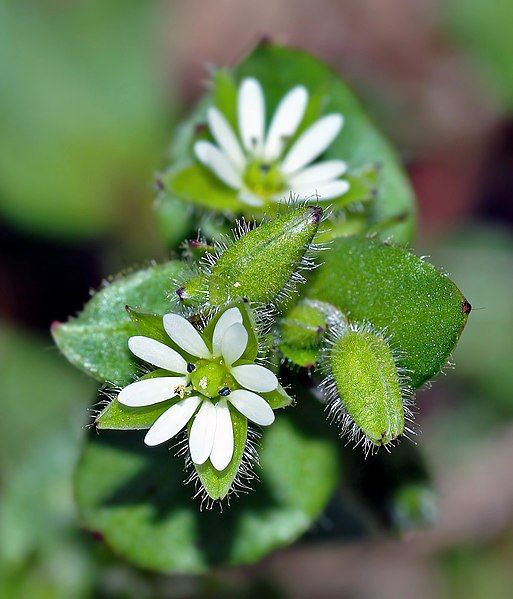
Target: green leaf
174	219
420	308
218	484
96	340
116	416
134	496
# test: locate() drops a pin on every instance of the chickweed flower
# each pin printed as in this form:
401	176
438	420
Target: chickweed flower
207	376
263	165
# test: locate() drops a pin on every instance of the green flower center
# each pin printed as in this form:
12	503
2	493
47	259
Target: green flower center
264	178
212	379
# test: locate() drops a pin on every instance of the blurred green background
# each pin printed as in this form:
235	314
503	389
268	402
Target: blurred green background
89	93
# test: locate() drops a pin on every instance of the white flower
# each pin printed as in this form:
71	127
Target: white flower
254	164
207	379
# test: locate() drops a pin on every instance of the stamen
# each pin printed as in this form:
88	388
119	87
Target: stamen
190	367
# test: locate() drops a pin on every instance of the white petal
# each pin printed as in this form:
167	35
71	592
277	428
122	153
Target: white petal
312	143
185	335
251	199
225	137
150	391
156	353
324	191
255	377
222	450
201	438
251	109
322	172
254	407
234	343
212	157
228	318
172	421
286	119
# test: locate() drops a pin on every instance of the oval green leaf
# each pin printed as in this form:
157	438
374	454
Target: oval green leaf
96	340
418	306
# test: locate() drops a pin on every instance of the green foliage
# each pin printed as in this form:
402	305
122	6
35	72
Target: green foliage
96	340
83	113
136	499
40	553
420	308
484	29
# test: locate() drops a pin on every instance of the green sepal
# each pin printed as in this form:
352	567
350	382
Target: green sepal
149	325
248	320
96	341
225	95
117	416
364	187
421	309
303	326
260	264
217	483
278	398
197	184
300	356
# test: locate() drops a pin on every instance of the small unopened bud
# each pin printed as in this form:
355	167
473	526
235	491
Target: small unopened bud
263	264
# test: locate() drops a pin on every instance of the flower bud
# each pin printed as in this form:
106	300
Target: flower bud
365	388
263	264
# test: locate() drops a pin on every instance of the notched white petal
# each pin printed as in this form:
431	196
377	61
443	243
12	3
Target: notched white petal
251	199
235	340
225	137
255	377
286	119
313	142
222	449
323	172
157	353
181	331
229	317
201	437
254	407
150	391
212	157
172	421
324	191
251	112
